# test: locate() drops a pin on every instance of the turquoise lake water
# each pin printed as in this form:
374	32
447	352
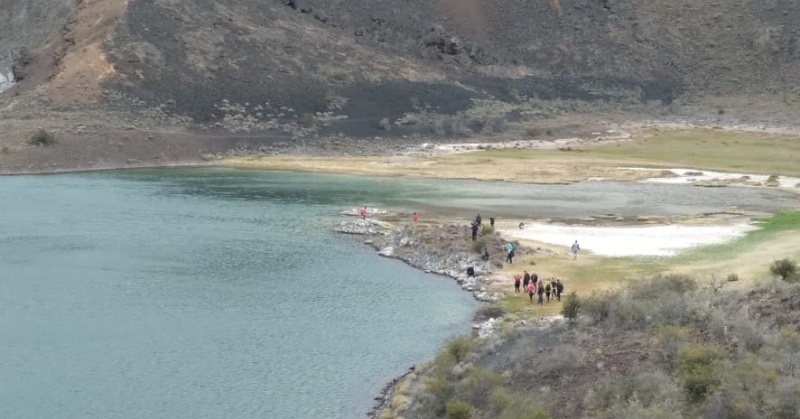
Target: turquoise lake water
224	294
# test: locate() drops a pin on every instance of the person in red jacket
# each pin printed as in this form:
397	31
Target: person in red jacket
517	280
364	213
415	217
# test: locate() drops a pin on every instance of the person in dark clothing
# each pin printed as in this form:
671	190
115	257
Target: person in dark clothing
478	219
526	279
559	289
534	278
491	221
474	231
547	290
470	271
517	279
540	291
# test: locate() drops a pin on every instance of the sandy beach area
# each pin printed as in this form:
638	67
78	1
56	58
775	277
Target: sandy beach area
658	240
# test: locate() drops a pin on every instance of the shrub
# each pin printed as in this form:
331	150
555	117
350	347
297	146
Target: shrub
487	230
783	403
457	409
309	120
478	386
571	307
670	339
478	245
42	138
458	348
784	268
749	334
562	359
651	289
597	307
525	411
696	366
634	410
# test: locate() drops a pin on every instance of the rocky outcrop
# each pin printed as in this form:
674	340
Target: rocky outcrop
371	212
445	249
364	227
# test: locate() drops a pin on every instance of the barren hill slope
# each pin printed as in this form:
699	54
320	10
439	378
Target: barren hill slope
361	67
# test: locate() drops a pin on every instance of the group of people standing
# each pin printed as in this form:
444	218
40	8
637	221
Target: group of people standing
476	225
531	284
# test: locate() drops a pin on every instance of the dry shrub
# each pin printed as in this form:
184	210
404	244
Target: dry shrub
561	360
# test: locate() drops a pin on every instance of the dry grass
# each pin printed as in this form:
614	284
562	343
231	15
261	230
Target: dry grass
706	149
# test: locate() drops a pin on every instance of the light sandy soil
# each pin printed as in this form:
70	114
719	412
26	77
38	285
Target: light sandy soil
691	176
659	240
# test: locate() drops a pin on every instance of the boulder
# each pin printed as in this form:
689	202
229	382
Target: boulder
387	251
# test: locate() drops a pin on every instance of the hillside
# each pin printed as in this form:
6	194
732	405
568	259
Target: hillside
252	73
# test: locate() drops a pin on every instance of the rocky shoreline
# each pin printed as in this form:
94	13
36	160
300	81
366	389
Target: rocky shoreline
440	248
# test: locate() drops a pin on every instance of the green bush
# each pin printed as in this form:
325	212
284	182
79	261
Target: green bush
459	347
525	411
487	230
457	409
597	307
696	366
42	138
670	339
784	268
571	307
478	387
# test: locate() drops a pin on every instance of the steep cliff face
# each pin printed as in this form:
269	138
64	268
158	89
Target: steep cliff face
362	66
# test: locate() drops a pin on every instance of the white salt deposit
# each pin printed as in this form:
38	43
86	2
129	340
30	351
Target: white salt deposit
689	176
662	240
6	80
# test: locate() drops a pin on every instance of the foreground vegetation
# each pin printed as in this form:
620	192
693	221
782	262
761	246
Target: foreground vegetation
665	347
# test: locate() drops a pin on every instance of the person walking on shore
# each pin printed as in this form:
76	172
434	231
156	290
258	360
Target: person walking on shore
540	291
415	217
559	289
530	289
517	279
525	280
547	290
510	253
364	213
491	221
474	231
576	248
478	219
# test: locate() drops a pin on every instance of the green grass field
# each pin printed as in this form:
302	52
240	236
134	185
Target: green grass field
707	149
750	257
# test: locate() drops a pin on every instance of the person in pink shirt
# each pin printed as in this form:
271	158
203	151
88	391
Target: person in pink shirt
364	213
415	217
517	280
530	289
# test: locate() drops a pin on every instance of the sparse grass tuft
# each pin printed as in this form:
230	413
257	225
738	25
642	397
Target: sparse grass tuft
786	269
571	307
42	138
457	409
